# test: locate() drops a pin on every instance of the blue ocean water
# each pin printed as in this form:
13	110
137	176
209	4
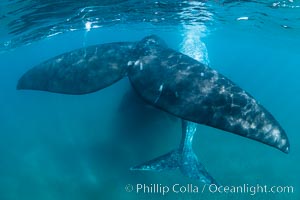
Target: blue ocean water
55	146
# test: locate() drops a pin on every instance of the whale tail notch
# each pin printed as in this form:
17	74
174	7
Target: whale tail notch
80	71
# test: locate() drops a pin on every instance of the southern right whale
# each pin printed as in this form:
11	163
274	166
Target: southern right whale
170	81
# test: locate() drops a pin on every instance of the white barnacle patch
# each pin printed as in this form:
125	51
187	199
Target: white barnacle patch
276	134
136	63
151	41
253	126
245	124
88	26
267	127
222	89
141	66
58	60
161	87
282	143
130	63
201	74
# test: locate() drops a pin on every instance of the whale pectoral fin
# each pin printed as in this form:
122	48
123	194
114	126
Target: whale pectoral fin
80	71
186	161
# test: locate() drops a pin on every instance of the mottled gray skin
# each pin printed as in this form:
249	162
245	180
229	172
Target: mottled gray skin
192	91
80	71
170	81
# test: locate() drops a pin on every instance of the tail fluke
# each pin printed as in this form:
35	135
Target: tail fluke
188	89
80	71
186	162
182	158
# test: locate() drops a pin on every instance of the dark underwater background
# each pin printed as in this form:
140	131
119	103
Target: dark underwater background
55	146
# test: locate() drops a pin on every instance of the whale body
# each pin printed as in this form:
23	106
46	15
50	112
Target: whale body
170	81
163	78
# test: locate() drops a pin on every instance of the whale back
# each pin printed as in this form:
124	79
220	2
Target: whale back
80	71
192	91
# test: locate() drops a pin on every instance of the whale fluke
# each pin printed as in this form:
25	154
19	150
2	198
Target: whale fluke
80	71
188	89
182	158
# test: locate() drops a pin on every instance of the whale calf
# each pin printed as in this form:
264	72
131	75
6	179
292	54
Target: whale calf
167	80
